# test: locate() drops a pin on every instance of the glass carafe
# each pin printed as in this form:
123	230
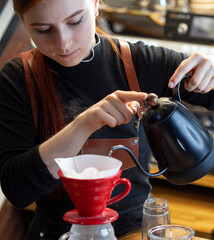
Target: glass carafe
90	232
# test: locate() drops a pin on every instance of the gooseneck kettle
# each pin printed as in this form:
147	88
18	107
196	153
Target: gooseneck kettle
182	146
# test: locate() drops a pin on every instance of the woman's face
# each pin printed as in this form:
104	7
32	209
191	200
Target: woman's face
63	30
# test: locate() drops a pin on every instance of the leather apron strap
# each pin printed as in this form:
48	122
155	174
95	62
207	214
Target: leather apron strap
129	66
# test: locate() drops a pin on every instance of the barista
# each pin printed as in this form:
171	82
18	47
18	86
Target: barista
72	87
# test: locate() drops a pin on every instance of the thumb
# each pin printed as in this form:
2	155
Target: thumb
134	105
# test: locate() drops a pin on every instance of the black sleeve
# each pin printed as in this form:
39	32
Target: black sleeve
23	175
156	65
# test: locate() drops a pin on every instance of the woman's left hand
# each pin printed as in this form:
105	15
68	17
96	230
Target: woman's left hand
201	69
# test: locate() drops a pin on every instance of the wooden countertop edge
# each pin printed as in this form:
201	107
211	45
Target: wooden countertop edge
206	181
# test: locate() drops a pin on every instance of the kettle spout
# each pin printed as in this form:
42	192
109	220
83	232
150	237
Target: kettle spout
136	161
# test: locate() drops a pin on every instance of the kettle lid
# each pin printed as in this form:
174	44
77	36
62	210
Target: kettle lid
160	112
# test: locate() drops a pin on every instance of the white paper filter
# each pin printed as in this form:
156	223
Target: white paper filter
88	166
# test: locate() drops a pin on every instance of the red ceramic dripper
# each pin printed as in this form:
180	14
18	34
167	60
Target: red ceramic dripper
91	196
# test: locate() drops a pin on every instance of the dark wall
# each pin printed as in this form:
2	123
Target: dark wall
13	38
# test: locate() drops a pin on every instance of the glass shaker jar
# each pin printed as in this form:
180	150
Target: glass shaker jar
155	212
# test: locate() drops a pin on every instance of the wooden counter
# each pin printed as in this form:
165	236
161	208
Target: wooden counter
206	181
191	205
136	235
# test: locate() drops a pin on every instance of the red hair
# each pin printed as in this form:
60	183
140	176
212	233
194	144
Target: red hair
40	85
21	6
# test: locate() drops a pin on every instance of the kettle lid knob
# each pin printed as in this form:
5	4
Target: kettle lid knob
158	110
152	100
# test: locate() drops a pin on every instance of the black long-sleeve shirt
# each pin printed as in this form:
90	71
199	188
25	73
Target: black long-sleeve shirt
23	175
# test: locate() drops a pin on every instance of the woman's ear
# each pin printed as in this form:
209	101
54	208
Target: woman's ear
96	2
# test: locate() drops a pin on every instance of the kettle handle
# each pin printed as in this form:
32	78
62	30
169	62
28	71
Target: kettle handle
116	147
185	79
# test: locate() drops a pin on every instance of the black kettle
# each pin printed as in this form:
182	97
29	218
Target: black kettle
182	146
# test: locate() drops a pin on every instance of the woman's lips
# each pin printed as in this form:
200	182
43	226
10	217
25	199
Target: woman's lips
68	55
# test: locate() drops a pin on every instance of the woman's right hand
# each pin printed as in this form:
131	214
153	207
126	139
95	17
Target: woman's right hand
115	109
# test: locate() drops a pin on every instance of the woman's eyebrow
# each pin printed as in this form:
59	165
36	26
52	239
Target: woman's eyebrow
69	17
74	14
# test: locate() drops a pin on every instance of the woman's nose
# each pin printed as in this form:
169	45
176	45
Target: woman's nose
62	40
